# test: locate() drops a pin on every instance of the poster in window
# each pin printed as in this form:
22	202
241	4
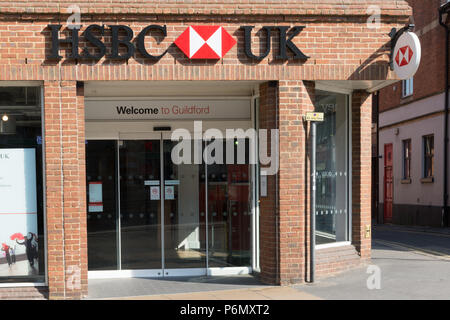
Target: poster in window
18	213
154	193
95	197
169	193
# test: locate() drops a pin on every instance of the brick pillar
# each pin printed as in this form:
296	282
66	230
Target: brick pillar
267	207
361	171
295	98
65	171
82	189
283	230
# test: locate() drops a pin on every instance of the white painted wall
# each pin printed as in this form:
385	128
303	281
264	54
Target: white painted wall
413	110
416	193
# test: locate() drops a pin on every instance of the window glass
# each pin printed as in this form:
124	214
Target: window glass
21	186
19	96
332	168
407	87
407	159
101	182
428	146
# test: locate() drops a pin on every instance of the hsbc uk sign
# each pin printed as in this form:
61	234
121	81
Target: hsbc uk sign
196	42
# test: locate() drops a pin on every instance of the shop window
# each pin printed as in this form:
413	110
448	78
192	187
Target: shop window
428	157
19	96
407	87
21	186
332	164
406	159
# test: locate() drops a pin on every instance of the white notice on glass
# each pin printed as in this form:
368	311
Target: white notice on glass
95	197
154	193
169	193
95	192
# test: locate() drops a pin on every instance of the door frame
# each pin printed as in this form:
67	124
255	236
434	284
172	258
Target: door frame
386	146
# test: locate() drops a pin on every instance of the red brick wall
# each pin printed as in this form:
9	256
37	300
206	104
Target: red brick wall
268	224
284	226
331	261
430	78
295	99
361	171
237	7
66	189
283	222
82	191
338	51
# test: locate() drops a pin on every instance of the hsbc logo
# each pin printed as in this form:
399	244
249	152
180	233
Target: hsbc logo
404	56
196	42
205	42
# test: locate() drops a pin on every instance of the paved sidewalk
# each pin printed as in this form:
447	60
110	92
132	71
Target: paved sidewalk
414	265
444	231
270	293
136	287
433	241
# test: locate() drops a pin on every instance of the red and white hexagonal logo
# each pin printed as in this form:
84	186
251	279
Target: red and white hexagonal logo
404	56
205	42
407	55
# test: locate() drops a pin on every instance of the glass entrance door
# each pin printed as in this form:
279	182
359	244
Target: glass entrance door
229	207
150	216
184	236
144	212
140	204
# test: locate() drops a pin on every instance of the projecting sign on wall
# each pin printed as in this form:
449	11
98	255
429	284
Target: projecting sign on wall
98	109
407	55
18	210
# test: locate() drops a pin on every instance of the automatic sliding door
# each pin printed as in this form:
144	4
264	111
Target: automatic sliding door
184	214
204	207
229	205
140	204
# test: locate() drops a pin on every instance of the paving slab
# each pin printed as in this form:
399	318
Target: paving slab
270	293
405	274
135	287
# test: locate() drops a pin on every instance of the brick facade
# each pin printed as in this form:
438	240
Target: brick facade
66	188
412	117
430	77
361	171
336	38
389	9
